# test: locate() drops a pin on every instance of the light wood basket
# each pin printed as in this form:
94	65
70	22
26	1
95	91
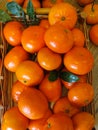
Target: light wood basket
7	78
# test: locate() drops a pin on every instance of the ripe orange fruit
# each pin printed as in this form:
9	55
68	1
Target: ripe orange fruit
58	121
64	14
33	38
44	23
79	38
20	2
33	103
36	3
50	3
29	73
13	32
17	89
64	105
84	2
48	59
14	120
39	123
83	121
14	57
91	12
79	60
81	94
93	34
58	39
51	89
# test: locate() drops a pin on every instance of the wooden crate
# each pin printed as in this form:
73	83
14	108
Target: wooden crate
7	78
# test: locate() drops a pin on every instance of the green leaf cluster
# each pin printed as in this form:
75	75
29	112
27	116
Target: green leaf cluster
64	75
15	9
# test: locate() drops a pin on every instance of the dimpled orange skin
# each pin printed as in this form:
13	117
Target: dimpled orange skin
14	120
64	14
79	60
33	103
58	39
14	57
33	38
48	59
29	73
13	32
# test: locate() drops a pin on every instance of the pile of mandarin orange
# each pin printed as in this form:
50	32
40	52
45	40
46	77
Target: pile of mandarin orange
55	45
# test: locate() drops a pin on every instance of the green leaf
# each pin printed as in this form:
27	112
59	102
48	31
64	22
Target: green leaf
4	17
15	9
53	75
68	76
30	10
32	14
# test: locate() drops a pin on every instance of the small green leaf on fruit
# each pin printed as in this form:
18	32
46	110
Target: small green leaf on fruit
30	9
53	75
32	14
68	76
15	9
4	17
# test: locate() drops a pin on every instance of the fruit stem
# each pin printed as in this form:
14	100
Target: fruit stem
49	125
93	3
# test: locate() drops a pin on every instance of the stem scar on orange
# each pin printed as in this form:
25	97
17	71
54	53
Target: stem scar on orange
64	14
58	39
79	60
33	103
59	121
33	38
29	73
64	105
13	32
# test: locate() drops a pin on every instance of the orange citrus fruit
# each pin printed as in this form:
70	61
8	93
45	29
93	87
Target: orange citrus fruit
32	103
64	14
